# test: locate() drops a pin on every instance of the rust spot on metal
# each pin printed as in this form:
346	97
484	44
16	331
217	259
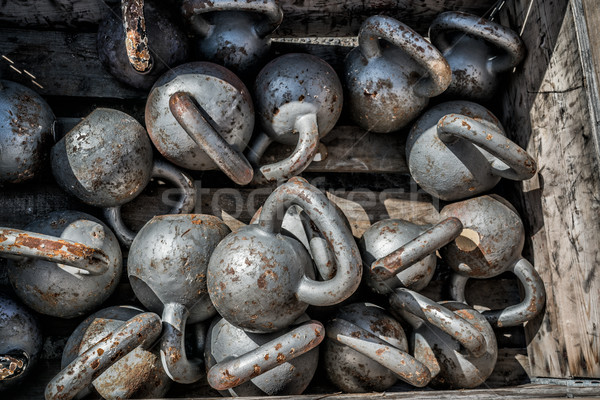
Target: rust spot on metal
281	358
277	346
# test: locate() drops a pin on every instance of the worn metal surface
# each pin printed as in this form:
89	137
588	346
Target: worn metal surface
141	330
477	50
20	342
454	157
261	280
299	99
366	350
26	132
139	42
137	375
491	243
234	33
248	364
66	289
398	253
388	86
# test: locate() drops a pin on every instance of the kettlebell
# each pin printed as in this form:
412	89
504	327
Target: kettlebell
477	50
388	86
20	342
139	41
240	363
299	99
106	161
491	243
64	265
399	253
262	281
235	34
366	350
167	271
26	132
458	149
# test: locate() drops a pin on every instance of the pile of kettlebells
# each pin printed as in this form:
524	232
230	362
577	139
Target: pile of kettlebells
241	297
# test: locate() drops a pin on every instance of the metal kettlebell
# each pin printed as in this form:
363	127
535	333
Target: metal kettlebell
167	271
137	375
366	350
454	341
477	50
251	364
399	253
262	281
458	149
299	99
26	132
141	330
200	116
139	41
389	86
64	265
106	161
20	342
234	33
491	243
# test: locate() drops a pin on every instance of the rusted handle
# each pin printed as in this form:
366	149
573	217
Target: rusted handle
323	213
407	301
413	44
13	364
141	330
228	374
229	160
402	364
136	41
521	165
417	249
19	243
498	35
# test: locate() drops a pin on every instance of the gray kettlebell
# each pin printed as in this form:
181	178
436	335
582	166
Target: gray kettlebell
389	86
20	342
64	265
399	253
458	149
490	244
26	132
477	50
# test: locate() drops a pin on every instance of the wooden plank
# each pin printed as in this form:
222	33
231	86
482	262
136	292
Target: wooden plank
545	108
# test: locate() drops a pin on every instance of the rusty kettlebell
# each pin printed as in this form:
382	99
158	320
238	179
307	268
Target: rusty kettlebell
389	86
139	41
491	243
458	149
477	50
234	33
26	132
399	253
299	99
261	281
64	265
240	363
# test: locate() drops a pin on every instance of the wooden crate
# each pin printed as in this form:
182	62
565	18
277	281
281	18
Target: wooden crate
550	106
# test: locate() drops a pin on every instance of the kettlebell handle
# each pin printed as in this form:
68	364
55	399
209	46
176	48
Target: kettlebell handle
320	210
408	301
270	8
402	36
500	36
136	41
141	330
529	307
521	165
417	249
19	243
229	374
402	364
166	171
